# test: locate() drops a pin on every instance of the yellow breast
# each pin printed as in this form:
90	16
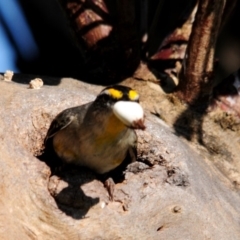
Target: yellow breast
114	128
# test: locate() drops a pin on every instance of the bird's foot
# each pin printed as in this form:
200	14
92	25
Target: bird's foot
110	186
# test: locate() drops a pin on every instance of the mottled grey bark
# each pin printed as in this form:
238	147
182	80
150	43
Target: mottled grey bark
172	193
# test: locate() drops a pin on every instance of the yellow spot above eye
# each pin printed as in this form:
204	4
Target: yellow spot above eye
115	93
133	95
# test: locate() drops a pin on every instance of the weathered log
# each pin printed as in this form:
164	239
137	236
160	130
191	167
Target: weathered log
170	193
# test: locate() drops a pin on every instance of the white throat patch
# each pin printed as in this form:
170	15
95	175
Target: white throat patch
128	112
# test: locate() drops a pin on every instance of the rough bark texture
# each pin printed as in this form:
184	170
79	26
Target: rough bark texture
174	45
89	19
196	82
106	33
172	193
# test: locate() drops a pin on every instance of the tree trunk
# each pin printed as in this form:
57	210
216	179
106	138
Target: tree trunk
196	83
169	193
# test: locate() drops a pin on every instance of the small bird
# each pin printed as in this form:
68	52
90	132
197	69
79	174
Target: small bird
99	134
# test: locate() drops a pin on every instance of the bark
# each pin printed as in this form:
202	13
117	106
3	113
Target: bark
196	82
171	192
90	20
106	33
165	37
174	39
167	17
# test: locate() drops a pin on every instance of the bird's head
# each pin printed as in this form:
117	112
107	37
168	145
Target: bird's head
124	101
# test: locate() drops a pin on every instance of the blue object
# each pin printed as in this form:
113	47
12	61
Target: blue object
16	24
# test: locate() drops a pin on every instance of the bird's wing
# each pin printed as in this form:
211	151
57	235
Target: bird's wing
65	118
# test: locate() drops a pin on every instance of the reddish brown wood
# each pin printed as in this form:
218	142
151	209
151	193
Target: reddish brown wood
196	83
